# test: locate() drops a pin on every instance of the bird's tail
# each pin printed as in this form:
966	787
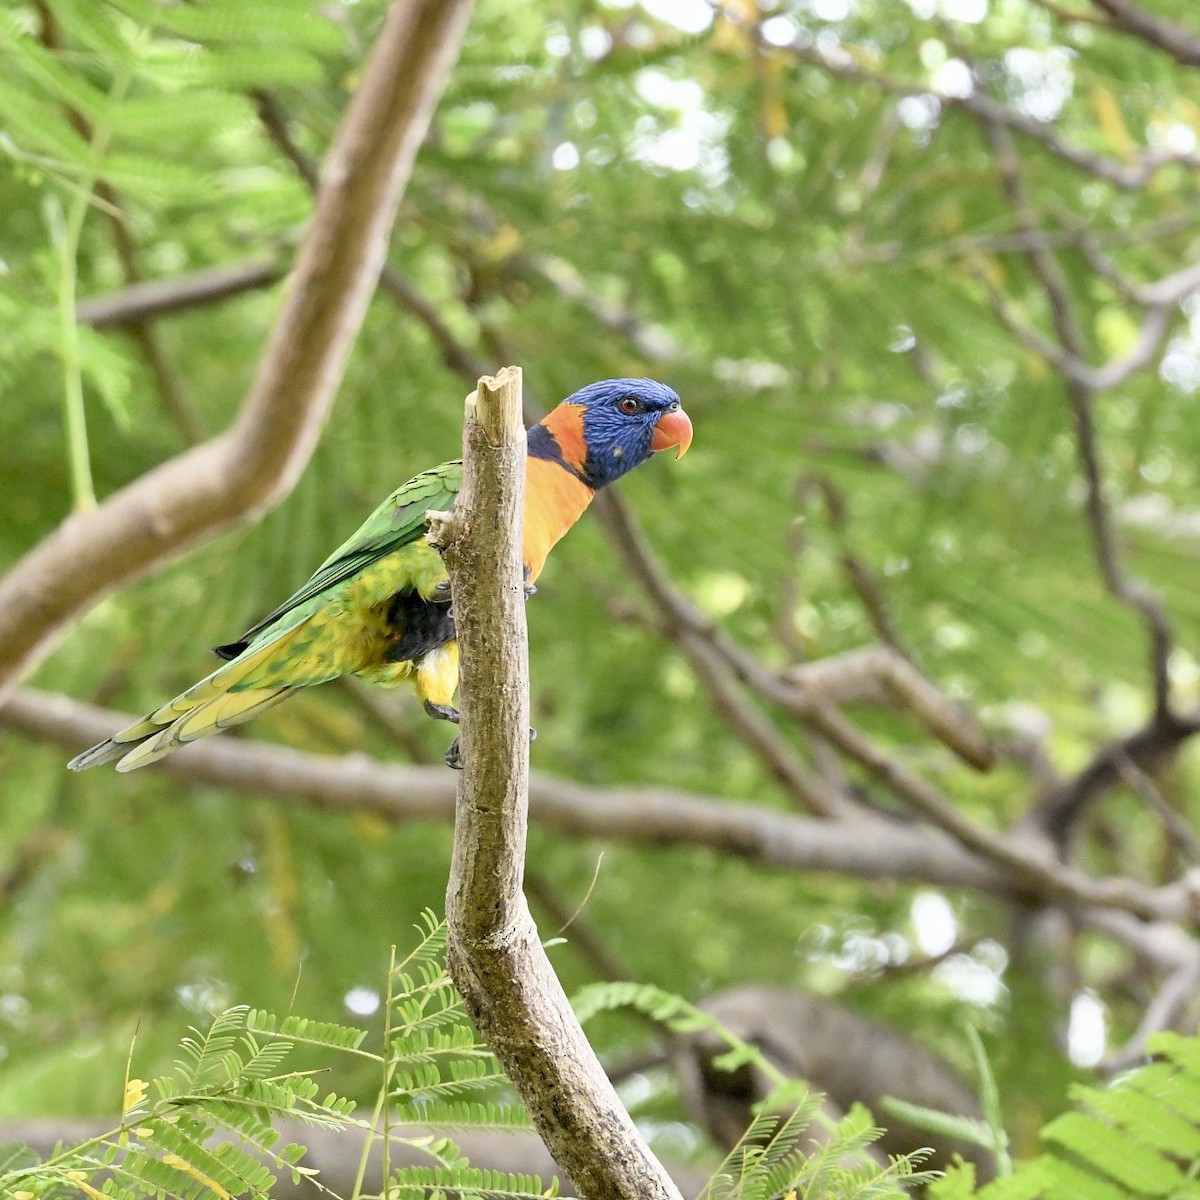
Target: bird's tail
228	697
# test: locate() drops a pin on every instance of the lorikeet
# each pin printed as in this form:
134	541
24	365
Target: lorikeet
379	606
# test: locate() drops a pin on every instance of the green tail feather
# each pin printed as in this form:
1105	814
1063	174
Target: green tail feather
229	696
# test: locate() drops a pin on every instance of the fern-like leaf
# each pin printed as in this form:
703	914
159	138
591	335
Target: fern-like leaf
420	1183
462	1114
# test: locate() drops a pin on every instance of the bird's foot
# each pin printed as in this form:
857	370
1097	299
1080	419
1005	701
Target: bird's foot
529	588
442	712
454	759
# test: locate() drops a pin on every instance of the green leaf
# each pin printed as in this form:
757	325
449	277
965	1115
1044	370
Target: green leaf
196	113
1117	1153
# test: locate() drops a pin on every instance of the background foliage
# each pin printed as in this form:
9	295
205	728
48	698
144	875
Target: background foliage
833	274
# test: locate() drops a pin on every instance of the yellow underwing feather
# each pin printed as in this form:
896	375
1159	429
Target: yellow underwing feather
437	675
222	712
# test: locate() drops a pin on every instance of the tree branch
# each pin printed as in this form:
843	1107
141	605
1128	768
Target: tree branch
247	469
1146	751
871	849
860	577
494	954
880	674
1159	299
144	301
1180	43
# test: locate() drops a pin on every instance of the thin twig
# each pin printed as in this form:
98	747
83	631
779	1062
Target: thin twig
583	936
860	576
1179	42
1026	862
1147	791
1127	176
149	299
1147	750
1130	591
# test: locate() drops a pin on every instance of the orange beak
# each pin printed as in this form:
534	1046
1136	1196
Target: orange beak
673	429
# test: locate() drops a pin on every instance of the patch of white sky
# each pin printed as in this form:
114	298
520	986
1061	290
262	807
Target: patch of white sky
779	30
362	1001
933	921
831	10
1087	1030
968	12
976	976
691	16
1180	365
682	134
1043	79
693	139
1173	136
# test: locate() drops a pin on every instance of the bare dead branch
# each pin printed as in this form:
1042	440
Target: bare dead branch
248	468
799	690
1159	298
761	734
1178	992
494	954
1027	862
1161	947
1143	786
871	848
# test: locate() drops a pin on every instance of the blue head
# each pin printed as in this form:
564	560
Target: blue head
610	427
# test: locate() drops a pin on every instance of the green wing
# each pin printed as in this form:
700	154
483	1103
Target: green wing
397	522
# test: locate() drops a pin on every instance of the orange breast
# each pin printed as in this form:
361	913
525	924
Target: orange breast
554	501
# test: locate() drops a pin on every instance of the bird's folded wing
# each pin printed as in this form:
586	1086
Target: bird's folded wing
398	521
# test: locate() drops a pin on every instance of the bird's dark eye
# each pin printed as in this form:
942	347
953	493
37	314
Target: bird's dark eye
630	405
